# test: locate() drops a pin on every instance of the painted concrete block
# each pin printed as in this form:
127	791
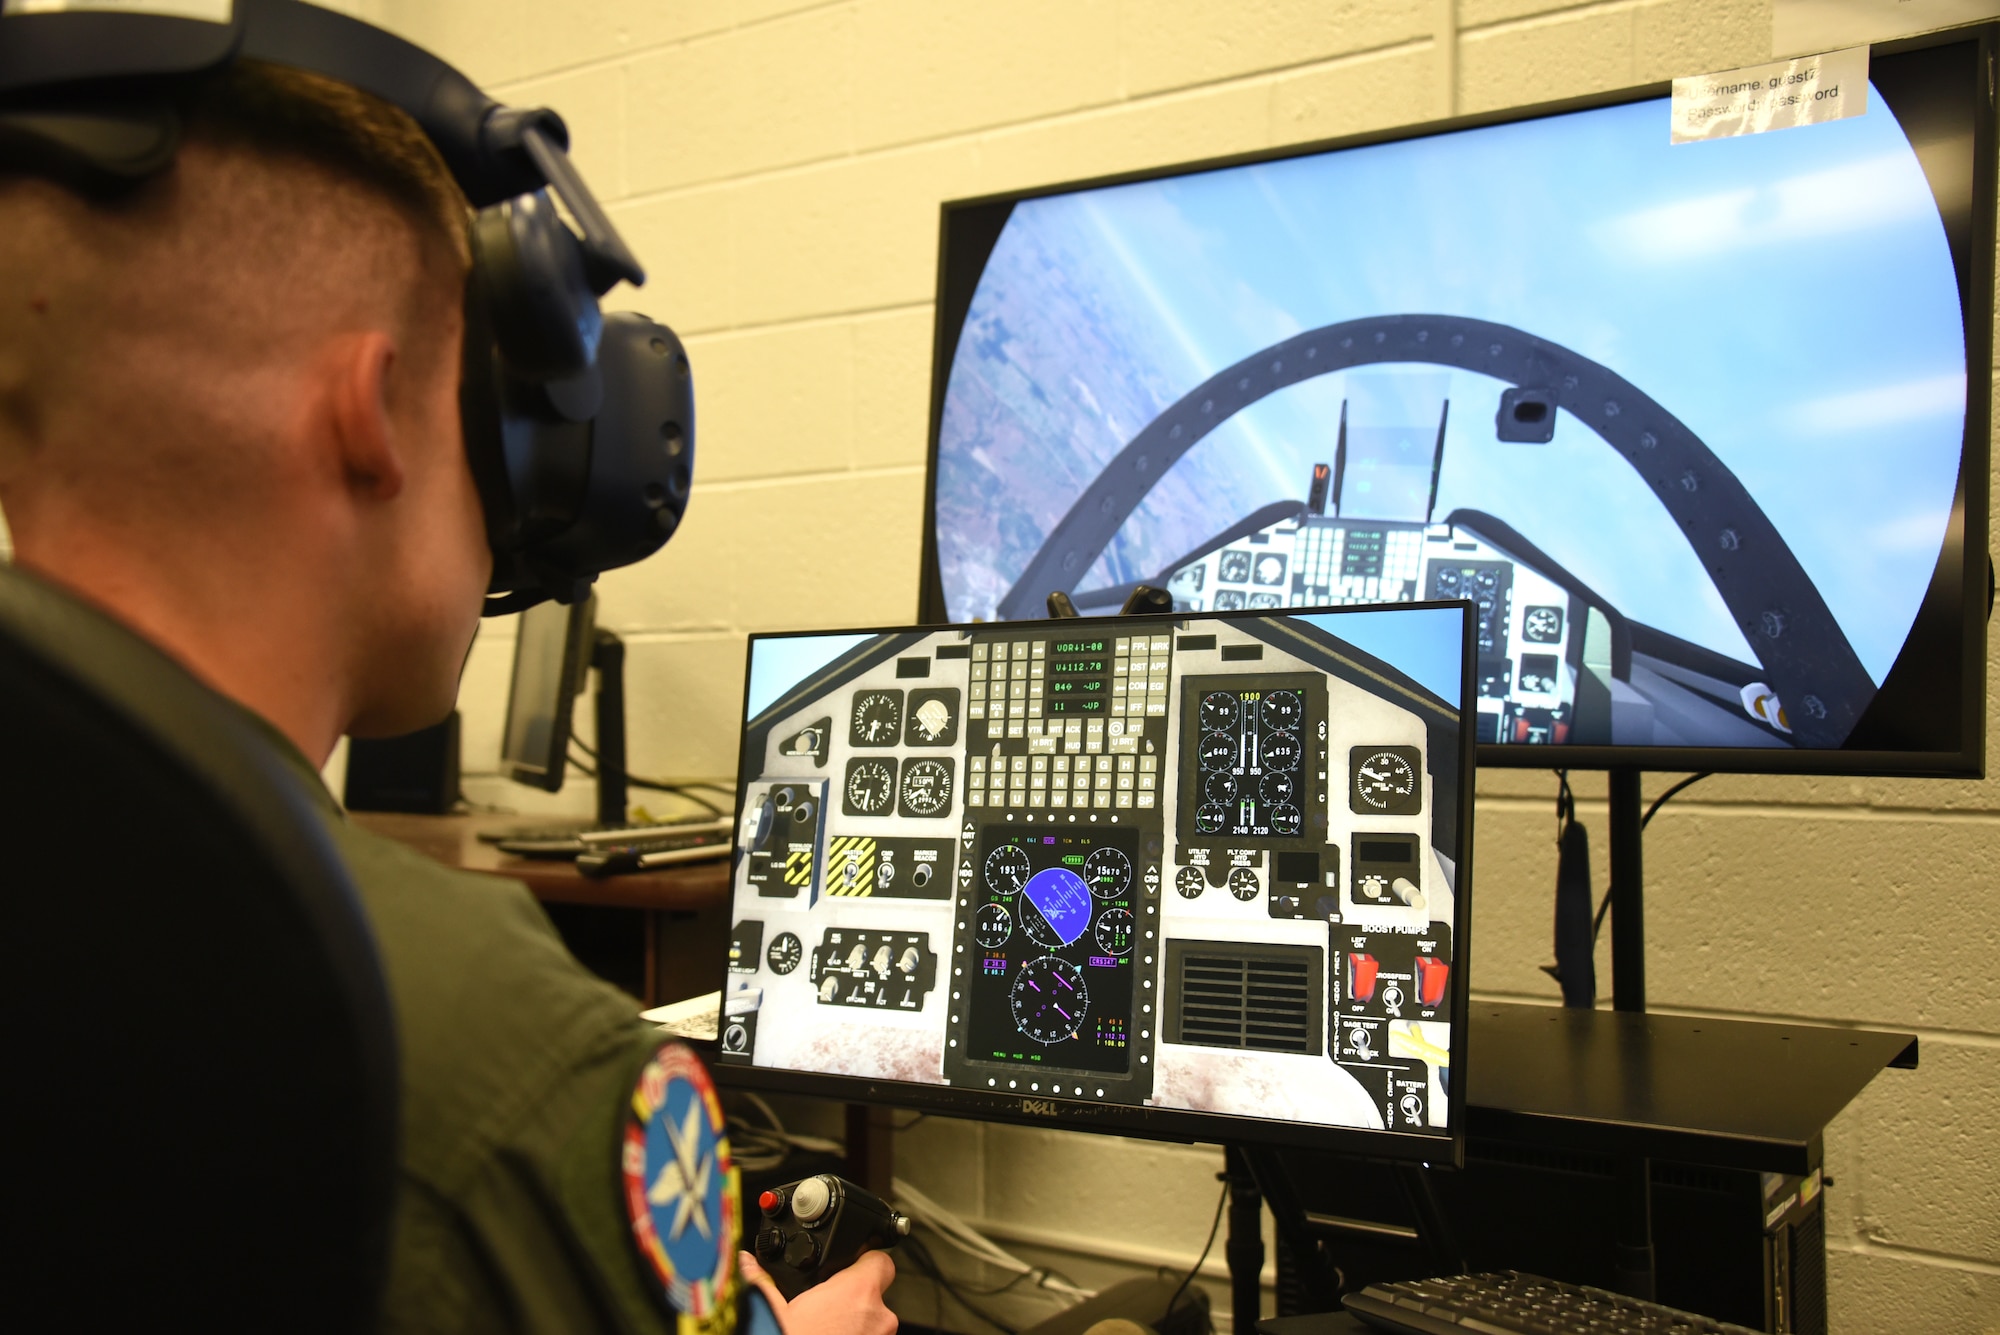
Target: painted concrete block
924	69
774	401
683	705
1357	94
1871	1293
1181	43
1912	1157
771	95
1157	132
688	245
1540	60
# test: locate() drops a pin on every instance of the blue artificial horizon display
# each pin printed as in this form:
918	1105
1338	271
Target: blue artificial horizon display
1782	310
1063	900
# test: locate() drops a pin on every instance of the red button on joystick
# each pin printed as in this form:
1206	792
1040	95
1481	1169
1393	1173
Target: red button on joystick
769	1202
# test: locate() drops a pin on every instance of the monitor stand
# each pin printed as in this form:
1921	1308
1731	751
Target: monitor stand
1634	1225
607	658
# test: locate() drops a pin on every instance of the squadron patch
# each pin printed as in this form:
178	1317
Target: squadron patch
681	1190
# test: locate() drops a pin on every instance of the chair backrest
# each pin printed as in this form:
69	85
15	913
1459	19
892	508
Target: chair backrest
201	1090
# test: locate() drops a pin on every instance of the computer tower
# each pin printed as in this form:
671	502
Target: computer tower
1739	1246
417	772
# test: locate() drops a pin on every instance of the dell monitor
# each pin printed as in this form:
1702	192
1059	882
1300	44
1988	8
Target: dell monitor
1701	428
1200	876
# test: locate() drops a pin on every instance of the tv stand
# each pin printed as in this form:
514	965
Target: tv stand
1622	1082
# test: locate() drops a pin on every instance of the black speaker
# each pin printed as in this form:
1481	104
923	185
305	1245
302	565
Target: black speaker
417	772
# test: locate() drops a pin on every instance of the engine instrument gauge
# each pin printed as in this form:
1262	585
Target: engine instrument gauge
1006	870
1283	709
1108	872
1218	751
1243	884
1219	711
1284	819
1209	817
926	788
1114	931
1542	625
1221	787
877	719
1049	999
1190	882
993	926
871	786
784	953
1280	751
1279	788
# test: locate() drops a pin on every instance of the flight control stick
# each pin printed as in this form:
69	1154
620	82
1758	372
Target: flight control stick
818	1226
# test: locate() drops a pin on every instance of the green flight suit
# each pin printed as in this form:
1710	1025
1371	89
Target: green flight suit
517	1067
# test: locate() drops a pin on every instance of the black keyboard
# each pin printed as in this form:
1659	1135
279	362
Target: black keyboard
655	853
1511	1303
568	841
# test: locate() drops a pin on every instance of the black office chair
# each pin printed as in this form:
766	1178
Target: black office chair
200	1098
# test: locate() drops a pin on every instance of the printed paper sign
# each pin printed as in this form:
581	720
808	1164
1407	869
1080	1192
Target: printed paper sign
1776	96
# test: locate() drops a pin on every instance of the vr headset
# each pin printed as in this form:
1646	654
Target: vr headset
579	427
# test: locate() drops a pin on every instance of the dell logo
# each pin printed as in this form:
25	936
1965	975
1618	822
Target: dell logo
1038	1107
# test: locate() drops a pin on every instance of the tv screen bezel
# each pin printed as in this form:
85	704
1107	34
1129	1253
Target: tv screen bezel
1434	1149
969	228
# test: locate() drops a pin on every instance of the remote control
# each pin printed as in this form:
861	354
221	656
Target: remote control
818	1226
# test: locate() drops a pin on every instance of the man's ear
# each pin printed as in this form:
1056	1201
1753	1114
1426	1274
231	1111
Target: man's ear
359	367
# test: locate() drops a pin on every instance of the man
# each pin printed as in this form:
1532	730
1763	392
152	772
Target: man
229	417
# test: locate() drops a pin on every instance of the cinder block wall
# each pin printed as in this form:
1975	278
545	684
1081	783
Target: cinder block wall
778	166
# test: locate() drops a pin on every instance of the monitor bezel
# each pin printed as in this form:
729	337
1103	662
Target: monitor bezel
1970	505
1436	1150
578	626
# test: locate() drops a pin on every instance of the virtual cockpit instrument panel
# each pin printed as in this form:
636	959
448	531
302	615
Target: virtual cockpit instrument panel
1125	869
1560	367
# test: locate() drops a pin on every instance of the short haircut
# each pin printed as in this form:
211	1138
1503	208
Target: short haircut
288	112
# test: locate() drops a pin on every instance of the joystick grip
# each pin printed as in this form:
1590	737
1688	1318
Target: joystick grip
819	1226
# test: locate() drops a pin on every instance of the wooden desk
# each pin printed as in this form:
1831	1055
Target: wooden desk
681	914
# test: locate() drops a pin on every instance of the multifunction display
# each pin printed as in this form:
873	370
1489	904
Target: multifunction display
1206	864
1053	932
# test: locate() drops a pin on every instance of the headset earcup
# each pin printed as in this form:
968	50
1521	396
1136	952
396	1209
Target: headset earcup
528	267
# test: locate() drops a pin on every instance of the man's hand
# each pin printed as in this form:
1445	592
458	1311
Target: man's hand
849	1303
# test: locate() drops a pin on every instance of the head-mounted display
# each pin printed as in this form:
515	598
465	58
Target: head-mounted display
579	427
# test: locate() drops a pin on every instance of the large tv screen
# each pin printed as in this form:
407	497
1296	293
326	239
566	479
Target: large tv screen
1691	424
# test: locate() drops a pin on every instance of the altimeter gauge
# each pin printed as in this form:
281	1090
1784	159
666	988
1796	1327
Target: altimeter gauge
1108	872
926	787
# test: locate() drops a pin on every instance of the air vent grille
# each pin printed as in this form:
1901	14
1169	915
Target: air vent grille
1250	997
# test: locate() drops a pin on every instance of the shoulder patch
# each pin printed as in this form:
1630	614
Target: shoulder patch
681	1190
